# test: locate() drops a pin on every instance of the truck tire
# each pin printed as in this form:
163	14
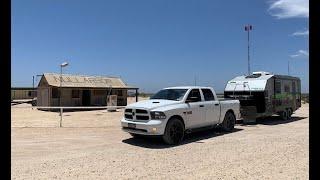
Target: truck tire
174	132
228	122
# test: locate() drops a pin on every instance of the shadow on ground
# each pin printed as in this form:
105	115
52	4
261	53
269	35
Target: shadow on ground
196	137
77	110
273	120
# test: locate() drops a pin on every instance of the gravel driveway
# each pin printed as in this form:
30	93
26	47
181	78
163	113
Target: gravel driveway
271	149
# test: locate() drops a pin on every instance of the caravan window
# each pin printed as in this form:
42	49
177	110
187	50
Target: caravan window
293	87
286	88
278	87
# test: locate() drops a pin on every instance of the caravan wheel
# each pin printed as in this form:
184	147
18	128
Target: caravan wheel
289	112
284	115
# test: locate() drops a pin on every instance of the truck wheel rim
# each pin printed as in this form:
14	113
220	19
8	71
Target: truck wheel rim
229	121
175	133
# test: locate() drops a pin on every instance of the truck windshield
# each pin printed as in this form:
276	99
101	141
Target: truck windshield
170	94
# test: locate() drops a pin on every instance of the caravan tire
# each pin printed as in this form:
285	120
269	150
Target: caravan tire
289	112
284	115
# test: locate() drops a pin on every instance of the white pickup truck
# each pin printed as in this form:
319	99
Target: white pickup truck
174	111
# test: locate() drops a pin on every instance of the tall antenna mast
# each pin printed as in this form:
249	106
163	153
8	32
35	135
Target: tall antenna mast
288	67
248	28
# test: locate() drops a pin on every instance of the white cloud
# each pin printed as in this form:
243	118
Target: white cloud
301	33
300	53
289	8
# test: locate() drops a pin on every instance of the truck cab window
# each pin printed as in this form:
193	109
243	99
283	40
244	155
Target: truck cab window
194	93
208	95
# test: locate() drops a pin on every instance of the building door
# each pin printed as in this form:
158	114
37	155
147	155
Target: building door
86	97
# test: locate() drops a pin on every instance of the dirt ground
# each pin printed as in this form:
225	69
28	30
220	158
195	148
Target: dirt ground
91	145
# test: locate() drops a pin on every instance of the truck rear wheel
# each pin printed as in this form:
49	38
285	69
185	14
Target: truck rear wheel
228	121
174	132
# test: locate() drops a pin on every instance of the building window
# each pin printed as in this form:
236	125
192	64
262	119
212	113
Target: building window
29	93
278	87
75	93
55	93
120	93
99	92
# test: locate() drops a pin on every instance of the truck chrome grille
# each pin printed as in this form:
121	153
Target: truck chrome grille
127	116
136	114
141	111
142	117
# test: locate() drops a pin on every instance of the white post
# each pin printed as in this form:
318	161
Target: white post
60	91
61	112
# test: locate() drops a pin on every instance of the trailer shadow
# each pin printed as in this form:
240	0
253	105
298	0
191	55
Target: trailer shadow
275	120
157	143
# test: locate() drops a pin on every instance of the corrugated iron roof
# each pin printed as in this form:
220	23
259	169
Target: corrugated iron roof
69	80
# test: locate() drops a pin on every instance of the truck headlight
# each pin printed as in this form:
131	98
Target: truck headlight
157	115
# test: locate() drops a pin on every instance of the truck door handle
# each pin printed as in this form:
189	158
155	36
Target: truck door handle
216	104
201	106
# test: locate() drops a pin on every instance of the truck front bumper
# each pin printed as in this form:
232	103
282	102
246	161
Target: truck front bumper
151	127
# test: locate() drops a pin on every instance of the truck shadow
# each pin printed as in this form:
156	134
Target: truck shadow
196	137
274	120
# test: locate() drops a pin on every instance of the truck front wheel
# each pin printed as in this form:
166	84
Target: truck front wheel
228	121
174	132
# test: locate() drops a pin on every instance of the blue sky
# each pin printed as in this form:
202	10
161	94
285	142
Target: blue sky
153	44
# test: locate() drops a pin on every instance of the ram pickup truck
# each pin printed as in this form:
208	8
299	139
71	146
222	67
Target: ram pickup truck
174	111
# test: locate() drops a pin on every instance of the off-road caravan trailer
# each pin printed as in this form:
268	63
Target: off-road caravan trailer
263	94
